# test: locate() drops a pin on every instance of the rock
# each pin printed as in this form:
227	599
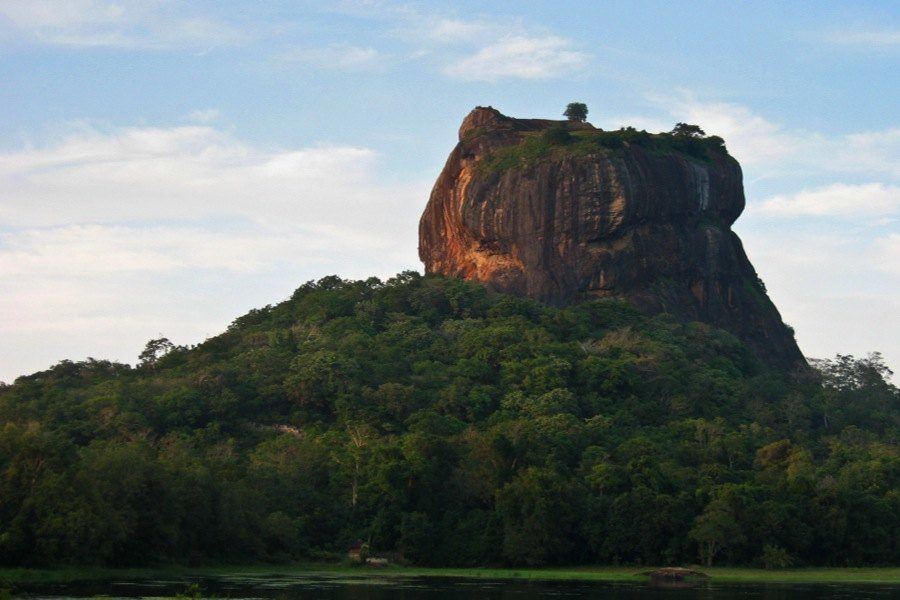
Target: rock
621	215
377	562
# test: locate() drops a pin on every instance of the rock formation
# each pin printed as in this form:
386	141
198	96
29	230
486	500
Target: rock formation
563	212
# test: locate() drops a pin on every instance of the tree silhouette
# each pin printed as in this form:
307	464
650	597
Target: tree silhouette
576	111
686	130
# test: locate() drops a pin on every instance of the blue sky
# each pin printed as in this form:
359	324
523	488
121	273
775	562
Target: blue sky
166	166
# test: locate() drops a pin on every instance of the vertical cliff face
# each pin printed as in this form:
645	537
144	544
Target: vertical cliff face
563	213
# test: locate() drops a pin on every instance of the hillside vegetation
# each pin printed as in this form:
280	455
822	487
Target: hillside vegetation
431	418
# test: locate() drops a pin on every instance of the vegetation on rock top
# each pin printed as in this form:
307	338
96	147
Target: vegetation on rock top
559	141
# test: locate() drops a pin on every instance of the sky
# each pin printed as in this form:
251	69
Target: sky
167	165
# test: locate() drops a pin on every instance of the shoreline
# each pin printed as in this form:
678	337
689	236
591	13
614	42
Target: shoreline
62	575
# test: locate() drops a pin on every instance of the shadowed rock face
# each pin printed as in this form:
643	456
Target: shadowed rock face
562	225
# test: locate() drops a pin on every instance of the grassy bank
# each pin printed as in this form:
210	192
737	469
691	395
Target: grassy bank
13	577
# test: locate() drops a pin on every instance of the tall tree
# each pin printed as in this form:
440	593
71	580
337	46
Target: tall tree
576	112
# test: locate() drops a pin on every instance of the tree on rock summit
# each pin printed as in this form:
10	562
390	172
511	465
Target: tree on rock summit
576	111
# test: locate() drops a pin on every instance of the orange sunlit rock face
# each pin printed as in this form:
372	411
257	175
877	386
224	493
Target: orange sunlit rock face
573	223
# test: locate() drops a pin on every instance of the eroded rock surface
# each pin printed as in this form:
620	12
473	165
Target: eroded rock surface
577	221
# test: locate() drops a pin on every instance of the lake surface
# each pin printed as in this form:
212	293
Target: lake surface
349	588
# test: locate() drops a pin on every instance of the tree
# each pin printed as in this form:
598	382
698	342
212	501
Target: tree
417	538
540	513
716	529
455	426
847	373
155	350
686	130
857	391
576	112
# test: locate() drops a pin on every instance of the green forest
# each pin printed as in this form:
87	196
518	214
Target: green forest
442	423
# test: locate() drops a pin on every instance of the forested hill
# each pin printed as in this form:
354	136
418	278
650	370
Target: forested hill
430	418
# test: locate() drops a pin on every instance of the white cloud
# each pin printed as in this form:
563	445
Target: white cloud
338	57
520	57
148	24
839	292
38	14
185	172
440	30
839	199
204	116
110	237
446	30
873	38
92	250
750	137
474	48
887	252
769	147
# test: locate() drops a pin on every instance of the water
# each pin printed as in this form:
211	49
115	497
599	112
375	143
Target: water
277	587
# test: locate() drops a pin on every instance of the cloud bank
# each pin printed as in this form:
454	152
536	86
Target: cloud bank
520	57
133	24
110	237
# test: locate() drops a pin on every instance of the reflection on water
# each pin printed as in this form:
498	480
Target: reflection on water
277	587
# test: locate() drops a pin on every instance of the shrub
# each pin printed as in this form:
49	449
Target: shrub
775	557
557	136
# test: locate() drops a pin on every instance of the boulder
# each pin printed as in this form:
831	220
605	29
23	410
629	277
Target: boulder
583	214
